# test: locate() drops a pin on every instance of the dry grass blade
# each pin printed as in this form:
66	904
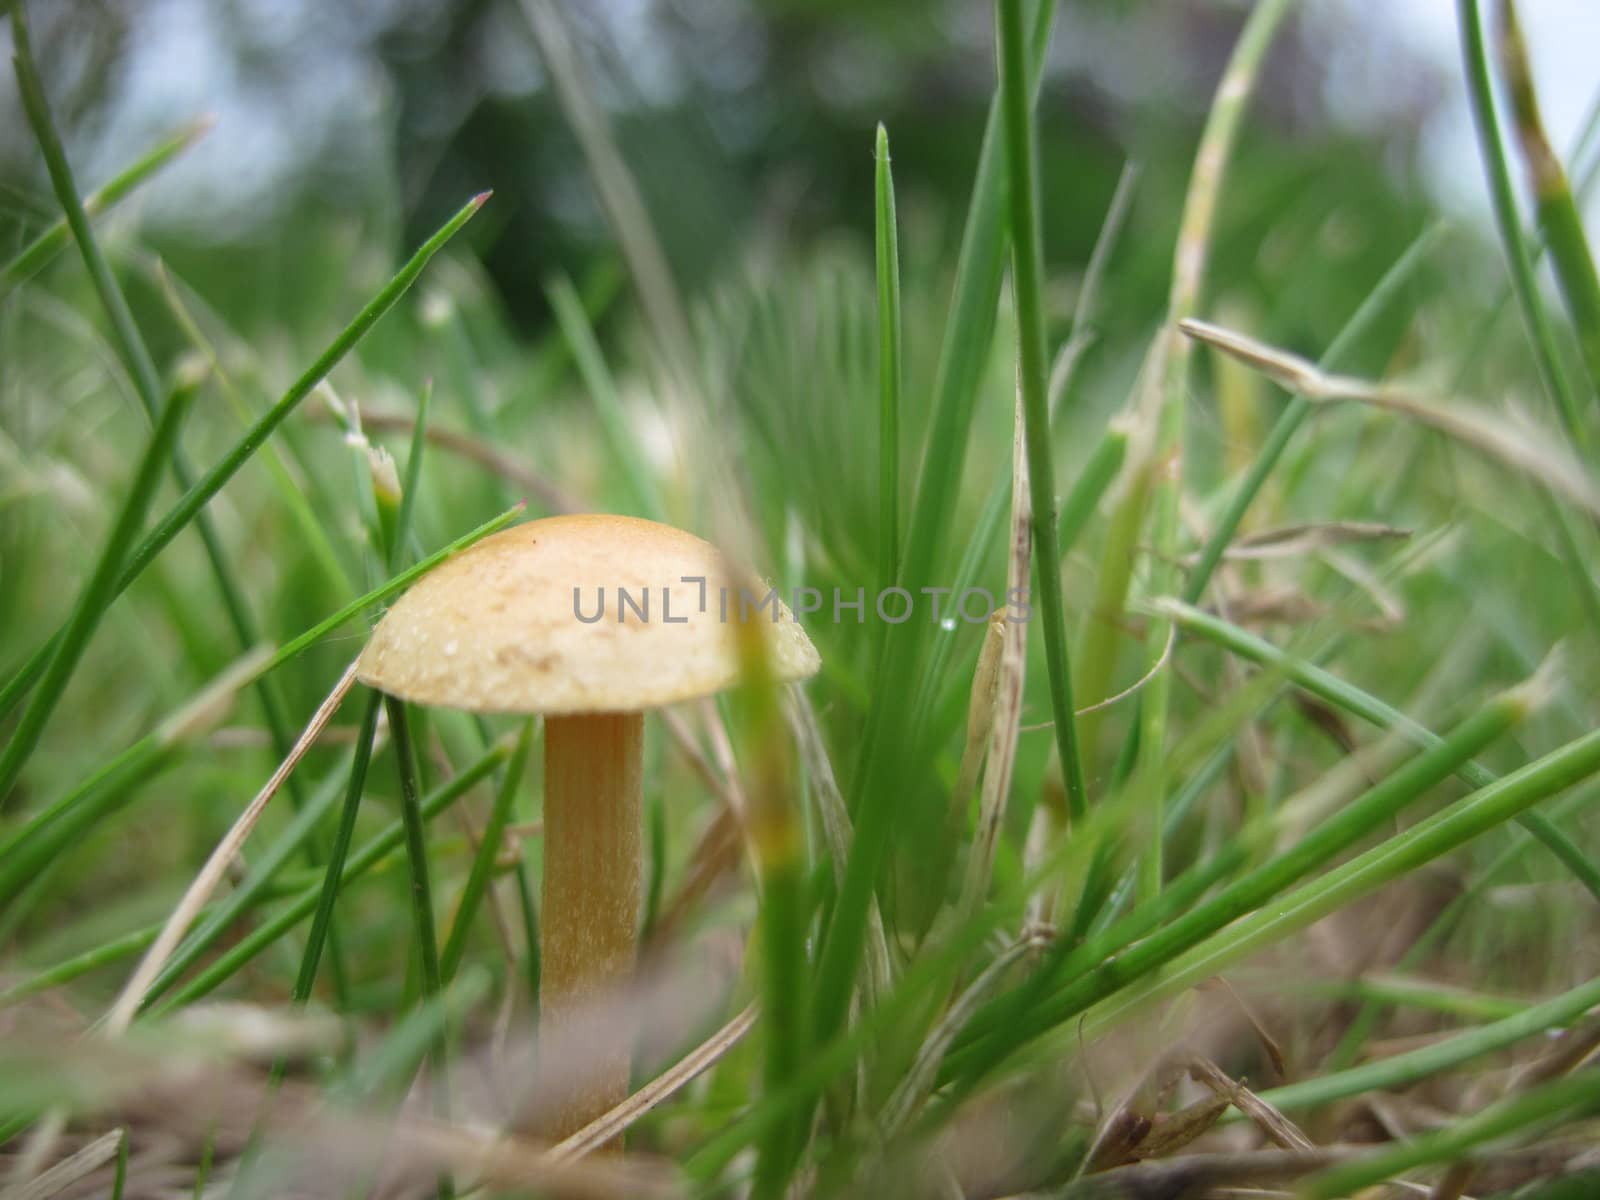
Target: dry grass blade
612	1125
1293	540
613	181
1283	1132
1131	690
69	1170
515	1166
1198	1175
918	1081
1519	446
127	1003
836	828
980	720
1008	684
1072	350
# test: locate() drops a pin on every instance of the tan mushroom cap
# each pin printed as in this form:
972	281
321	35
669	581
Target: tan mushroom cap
497	628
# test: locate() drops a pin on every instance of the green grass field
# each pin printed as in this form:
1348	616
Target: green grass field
1258	860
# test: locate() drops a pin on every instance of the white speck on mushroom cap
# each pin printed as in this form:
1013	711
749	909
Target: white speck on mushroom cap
503	614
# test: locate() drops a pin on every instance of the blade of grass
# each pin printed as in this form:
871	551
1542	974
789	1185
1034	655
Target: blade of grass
130	1000
32	258
409	486
393	1061
1366	1018
88	606
1188	271
1399	1071
1104	461
289	483
602	389
1099	469
483	863
931	971
1026	269
1588	175
119	1180
61	823
1557	214
1524	448
1399	855
887	248
777	839
102	794
1351	699
255	888
322	919
40	824
1300	406
227	964
198	496
886	739
79	965
1252	890
1519	264
1578	1095
416	842
132	352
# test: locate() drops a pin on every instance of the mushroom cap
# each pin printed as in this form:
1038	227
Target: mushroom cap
497	628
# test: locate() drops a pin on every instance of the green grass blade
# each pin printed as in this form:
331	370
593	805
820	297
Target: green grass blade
79	965
1026	271
1248	893
290	485
90	604
322	919
227	964
602	388
416	846
1402	853
1104	461
1369	708
103	793
36	254
392	1063
134	355
68	819
968	335
887	251
384	591
1519	264
483	863
1189	263
119	1180
1575	1096
1399	1071
198	496
1557	213
256	887
412	481
125	339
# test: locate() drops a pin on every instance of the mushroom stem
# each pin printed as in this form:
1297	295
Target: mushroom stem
589	930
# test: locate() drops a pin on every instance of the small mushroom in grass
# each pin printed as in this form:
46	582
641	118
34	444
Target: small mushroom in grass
588	620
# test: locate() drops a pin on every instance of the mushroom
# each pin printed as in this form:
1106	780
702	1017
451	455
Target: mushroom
587	620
